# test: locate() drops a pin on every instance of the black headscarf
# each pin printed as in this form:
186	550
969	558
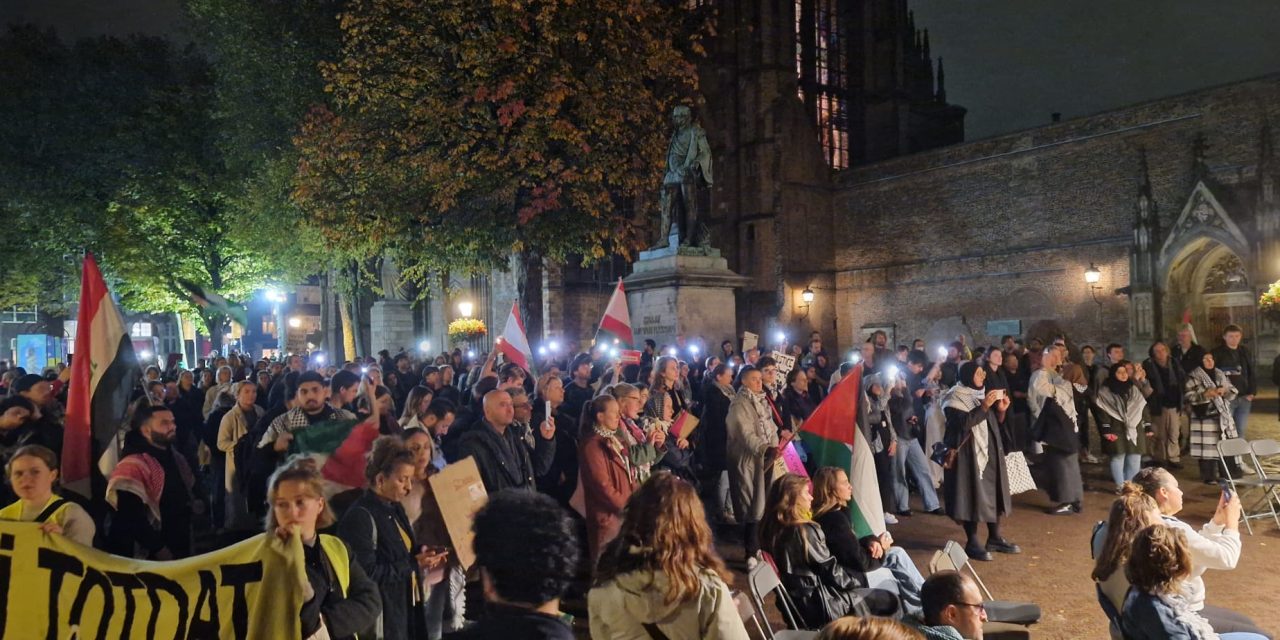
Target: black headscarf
967	371
1121	389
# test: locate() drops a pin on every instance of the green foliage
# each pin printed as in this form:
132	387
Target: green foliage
464	131
117	155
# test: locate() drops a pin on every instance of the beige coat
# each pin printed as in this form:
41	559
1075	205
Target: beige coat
751	434
235	425
621	607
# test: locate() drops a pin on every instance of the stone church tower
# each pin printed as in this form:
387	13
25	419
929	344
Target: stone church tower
797	91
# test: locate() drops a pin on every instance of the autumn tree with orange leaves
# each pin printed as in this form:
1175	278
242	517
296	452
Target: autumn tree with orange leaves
461	132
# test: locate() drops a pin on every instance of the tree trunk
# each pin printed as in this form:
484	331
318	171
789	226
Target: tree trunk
214	325
348	332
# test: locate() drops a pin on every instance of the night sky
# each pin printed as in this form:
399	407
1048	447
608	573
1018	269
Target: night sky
1010	62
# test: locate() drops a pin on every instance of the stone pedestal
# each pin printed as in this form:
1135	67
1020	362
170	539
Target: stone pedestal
391	326
683	292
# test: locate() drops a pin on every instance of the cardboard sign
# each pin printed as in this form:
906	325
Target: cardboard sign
749	341
683	425
460	493
629	356
785	363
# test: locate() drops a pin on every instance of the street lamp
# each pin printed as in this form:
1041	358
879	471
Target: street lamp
1091	277
424	346
465	308
295	322
807	297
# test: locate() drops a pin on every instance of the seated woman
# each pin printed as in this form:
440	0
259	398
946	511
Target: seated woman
340	600
663	570
1132	512
33	472
1154	609
831	495
822	589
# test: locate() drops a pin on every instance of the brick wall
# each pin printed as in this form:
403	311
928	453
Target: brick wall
1004	228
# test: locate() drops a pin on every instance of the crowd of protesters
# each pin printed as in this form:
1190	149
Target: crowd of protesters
595	477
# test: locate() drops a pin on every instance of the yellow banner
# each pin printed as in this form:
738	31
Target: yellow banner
56	589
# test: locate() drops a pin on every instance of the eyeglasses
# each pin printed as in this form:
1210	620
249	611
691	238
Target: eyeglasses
978	606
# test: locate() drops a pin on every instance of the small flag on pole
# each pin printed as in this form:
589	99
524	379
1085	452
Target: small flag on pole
617	319
103	373
513	343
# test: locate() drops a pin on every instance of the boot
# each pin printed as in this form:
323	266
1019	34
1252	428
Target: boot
1208	471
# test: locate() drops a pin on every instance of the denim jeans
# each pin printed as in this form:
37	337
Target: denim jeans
1240	413
1125	467
910	459
909	579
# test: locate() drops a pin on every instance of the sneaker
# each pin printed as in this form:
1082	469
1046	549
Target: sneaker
1063	509
904	514
752	563
889	519
1248	471
1089	458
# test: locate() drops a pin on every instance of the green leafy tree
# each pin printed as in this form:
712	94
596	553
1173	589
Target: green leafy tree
121	159
462	132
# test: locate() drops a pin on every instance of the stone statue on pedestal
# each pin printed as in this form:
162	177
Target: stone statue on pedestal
688	173
392	289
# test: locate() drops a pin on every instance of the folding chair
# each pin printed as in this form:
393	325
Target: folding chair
953	558
1239	447
763	580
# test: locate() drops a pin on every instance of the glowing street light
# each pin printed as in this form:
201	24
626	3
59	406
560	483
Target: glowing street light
807	295
466	307
1092	275
295	322
424	346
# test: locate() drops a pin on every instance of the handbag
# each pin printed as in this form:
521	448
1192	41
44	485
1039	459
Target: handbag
945	456
1020	480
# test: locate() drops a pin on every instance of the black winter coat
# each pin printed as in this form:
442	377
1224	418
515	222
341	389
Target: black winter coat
712	435
370	527
819	585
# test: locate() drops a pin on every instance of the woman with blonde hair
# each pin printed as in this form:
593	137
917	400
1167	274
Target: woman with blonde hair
1155	608
427	521
33	472
820	586
851	628
832	493
1113	541
339	599
662	571
415	407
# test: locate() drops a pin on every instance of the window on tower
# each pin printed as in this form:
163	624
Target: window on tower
825	71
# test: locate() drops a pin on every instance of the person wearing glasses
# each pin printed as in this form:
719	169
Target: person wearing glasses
952	607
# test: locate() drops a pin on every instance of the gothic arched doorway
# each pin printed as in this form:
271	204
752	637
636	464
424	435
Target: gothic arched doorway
1210	283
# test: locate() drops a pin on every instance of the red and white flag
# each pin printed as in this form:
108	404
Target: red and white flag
103	373
513	343
617	318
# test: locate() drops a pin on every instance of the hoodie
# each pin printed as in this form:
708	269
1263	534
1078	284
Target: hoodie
620	608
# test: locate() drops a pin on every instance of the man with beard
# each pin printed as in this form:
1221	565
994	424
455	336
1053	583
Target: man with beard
150	490
309	407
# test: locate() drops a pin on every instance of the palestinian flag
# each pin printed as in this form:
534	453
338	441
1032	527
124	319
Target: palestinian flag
214	303
831	434
104	371
513	343
340	447
616	323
